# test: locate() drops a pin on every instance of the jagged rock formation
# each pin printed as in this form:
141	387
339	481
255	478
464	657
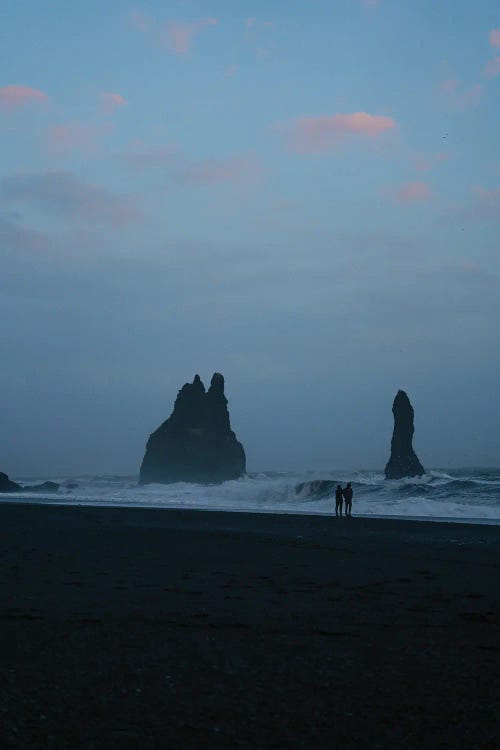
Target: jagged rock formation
6	485
196	443
403	461
317	488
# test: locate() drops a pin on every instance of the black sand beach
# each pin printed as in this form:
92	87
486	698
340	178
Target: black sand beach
125	628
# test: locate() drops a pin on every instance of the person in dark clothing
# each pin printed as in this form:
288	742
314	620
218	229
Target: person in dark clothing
338	500
348	493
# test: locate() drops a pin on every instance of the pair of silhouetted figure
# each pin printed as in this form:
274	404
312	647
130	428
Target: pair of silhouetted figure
346	496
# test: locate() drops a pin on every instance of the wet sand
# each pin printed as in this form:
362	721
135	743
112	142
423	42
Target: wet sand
128	628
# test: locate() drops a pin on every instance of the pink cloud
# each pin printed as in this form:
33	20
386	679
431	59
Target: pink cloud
177	36
486	204
252	22
449	86
140	21
150	158
424	163
76	136
317	134
492	68
457	96
231	71
467	265
487	193
413	191
111	101
12	97
183	168
470	97
495	37
218	171
63	193
482	206
13	236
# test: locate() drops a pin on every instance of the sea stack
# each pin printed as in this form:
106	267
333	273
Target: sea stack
403	461
6	485
196	443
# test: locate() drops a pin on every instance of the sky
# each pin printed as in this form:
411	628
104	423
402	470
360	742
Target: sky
304	196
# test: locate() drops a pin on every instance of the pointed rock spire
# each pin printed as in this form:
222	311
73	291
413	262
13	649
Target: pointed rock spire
403	461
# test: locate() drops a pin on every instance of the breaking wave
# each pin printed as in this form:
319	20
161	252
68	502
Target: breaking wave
458	495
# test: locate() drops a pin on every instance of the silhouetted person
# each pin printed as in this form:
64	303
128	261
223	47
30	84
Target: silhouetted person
348	493
338	500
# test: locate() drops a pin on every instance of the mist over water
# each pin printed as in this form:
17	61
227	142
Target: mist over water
456	495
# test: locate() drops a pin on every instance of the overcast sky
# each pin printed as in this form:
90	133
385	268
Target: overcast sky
302	195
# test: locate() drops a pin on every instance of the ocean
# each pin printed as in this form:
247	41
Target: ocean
463	495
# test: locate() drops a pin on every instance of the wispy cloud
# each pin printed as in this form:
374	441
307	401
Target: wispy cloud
76	136
111	101
16	238
216	171
179	35
231	71
449	86
150	158
482	206
485	205
492	67
471	269
412	192
458	96
323	133
66	195
252	23
426	162
181	168
12	97
140	21
494	37
176	36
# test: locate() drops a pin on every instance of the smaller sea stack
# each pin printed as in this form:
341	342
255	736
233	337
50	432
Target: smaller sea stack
6	485
403	461
196	443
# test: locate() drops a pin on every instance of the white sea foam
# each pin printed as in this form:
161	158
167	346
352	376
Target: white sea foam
459	496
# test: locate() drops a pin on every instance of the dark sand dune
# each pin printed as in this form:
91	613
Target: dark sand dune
176	629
